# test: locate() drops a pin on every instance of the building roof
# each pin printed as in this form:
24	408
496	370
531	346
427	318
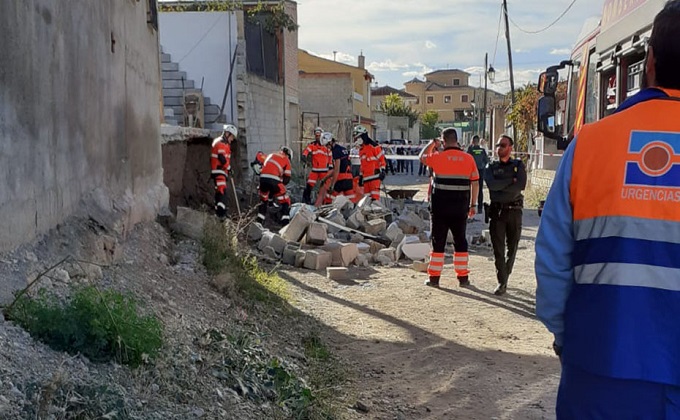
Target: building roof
336	62
447	71
388	90
414	80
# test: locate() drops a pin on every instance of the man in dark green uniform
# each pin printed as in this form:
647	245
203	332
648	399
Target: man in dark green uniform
505	178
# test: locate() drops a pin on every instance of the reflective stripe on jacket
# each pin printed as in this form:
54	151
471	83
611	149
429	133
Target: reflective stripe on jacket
321	156
220	148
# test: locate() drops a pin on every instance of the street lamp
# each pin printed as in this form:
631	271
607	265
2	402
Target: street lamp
491	73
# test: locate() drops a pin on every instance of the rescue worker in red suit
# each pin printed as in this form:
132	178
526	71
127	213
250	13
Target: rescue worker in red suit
341	174
455	184
319	156
372	162
275	175
220	163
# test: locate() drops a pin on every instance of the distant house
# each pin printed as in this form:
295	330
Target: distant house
334	95
393	127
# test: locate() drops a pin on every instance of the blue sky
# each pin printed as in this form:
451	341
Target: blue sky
402	39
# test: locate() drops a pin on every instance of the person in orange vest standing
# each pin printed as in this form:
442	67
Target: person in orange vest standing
607	263
275	174
372	162
220	164
455	184
319	156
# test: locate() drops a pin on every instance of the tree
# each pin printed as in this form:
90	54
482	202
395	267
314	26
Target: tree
394	106
524	112
428	121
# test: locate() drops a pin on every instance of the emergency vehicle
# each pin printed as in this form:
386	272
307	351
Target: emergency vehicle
605	68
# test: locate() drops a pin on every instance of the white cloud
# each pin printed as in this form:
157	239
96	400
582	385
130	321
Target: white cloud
430	45
387	65
340	57
560	51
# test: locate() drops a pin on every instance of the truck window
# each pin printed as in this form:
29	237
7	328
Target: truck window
573	99
592	89
635	73
610	86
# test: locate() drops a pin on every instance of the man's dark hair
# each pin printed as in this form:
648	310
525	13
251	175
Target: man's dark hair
475	138
665	42
450	135
505	136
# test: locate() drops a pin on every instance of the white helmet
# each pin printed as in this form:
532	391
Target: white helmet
287	151
318	130
326	138
229	128
358	131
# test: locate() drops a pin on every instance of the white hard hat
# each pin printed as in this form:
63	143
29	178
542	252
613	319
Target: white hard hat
229	128
326	138
358	131
318	130
287	151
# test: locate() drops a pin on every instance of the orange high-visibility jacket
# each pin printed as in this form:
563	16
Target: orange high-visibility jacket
372	160
321	156
277	167
220	158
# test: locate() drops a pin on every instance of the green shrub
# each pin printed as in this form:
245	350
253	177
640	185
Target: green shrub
101	325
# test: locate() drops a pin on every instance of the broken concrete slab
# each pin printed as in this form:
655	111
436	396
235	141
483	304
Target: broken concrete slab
416	251
337	273
288	256
408	239
375	227
190	223
297	226
410	223
317	260
356	220
393	231
300	256
255	231
317	234
400	237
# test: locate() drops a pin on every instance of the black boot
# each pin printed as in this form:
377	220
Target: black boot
433	282
500	289
463	281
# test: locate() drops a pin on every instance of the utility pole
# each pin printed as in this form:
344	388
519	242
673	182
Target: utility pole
512	76
486	67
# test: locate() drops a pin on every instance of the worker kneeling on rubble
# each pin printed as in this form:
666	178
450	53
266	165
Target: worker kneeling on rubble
455	184
275	175
220	164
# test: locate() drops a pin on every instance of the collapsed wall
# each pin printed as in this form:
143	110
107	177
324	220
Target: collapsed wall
79	116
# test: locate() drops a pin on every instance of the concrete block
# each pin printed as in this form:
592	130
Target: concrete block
190	223
264	241
343	254
393	231
316	234
390	253
364	248
288	256
337	273
356	238
340	201
408	239
300	256
375	227
375	246
270	252
416	251
400	237
317	259
362	260
278	243
297	226
255	231
419	266
410	223
356	219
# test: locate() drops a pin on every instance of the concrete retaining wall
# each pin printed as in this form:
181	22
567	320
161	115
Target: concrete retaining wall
79	115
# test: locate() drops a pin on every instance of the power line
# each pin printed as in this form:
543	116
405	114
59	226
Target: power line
547	27
498	35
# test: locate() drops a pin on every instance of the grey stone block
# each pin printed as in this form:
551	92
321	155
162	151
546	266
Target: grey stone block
337	273
375	227
278	243
317	234
255	231
317	260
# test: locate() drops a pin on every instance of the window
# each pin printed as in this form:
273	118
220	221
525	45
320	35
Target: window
447	99
634	81
592	88
456	82
262	49
464	98
417	101
430	99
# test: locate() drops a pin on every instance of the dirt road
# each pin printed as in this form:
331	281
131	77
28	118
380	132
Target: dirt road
451	353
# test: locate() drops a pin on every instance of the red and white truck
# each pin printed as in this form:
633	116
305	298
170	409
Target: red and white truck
605	68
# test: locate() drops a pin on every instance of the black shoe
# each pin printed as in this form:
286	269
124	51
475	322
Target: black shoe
463	281
433	282
500	289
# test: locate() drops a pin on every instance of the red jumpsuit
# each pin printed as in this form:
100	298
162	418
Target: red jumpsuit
220	163
275	174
